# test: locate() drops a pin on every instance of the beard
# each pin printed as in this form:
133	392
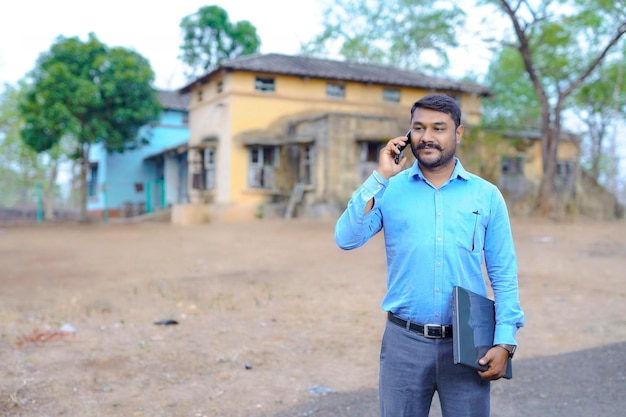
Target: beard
443	158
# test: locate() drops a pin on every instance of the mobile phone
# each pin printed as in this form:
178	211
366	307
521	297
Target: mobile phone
401	147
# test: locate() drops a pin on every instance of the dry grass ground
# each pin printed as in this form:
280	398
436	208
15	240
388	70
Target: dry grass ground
267	312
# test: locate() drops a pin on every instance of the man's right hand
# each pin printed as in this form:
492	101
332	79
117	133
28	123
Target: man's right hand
387	166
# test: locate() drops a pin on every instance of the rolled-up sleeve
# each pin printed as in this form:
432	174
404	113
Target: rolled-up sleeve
355	227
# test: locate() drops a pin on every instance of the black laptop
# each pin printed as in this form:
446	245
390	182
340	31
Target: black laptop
474	323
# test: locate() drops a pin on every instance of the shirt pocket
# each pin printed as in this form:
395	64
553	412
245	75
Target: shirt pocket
470	232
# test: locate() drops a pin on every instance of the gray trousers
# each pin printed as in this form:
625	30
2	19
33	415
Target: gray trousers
413	367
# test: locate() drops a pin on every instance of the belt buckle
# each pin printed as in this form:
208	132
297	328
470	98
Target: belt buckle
436	328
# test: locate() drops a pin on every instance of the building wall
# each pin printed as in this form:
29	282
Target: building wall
533	167
485	153
176	179
225	119
127	177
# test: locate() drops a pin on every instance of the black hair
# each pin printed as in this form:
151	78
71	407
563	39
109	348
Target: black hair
441	103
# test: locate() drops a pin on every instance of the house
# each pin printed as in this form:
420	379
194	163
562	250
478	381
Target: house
520	169
513	160
278	135
525	163
145	177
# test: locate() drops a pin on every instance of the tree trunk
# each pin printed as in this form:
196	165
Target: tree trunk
48	193
545	199
84	167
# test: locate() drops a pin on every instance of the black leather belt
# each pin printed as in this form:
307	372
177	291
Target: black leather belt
432	331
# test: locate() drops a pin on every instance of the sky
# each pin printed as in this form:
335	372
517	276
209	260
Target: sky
151	28
30	27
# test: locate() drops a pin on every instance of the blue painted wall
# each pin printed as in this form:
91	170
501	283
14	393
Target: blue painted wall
134	178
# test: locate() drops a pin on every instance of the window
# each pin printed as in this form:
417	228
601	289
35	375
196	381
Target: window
306	164
564	169
264	84
391	95
209	168
368	157
335	90
204	179
263	163
199	95
92	180
370	151
565	177
513	166
512	180
220	86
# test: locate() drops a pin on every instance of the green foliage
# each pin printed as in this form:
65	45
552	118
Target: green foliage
17	161
21	168
90	93
86	93
562	38
600	104
210	38
561	45
513	104
411	34
605	90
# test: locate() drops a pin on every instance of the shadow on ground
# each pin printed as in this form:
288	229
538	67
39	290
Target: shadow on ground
577	384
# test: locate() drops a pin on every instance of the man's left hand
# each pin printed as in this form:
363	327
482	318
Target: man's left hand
496	359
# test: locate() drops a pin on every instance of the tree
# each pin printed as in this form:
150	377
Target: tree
561	43
87	93
23	172
602	104
411	34
18	163
513	103
210	38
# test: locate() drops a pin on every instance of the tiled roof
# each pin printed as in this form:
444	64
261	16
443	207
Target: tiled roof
173	100
537	134
302	66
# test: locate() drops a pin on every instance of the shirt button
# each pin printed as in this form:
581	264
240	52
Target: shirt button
438	213
439	239
438	263
436	314
437	289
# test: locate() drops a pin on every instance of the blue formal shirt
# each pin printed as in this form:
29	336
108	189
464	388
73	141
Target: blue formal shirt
436	238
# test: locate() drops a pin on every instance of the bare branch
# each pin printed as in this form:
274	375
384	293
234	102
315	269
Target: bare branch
524	49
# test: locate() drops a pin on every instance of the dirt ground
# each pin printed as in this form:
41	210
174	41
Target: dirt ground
269	313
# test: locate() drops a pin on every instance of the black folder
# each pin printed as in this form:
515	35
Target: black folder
474	323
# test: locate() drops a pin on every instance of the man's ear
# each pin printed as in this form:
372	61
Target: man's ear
459	133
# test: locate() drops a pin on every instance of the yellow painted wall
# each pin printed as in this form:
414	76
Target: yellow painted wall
533	163
240	108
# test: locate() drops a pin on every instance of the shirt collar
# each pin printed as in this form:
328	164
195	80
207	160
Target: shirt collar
459	171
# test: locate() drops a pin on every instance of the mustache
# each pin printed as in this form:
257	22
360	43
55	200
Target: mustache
423	145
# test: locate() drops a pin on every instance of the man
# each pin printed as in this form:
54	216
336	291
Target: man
438	222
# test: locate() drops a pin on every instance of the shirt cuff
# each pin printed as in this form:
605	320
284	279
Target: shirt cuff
373	185
505	334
